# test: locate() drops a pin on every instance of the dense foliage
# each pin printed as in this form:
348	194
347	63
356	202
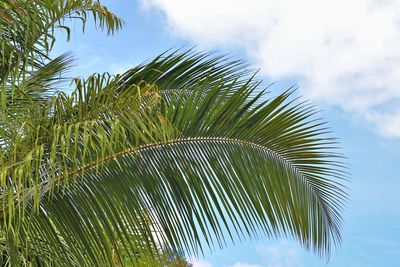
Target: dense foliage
178	154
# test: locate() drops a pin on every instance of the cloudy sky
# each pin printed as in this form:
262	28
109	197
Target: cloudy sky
345	58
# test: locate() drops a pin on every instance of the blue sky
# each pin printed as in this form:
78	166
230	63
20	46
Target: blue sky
344	56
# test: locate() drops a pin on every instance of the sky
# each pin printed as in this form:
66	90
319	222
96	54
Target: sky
345	58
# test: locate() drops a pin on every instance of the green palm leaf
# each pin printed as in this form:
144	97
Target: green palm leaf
184	152
28	30
234	163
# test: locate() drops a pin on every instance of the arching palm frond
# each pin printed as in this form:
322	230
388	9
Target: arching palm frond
181	153
185	170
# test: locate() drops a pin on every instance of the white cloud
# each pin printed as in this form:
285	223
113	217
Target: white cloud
345	53
200	263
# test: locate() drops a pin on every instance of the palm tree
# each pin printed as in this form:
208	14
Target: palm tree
184	152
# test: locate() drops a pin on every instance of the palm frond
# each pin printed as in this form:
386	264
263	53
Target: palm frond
177	71
187	151
28	29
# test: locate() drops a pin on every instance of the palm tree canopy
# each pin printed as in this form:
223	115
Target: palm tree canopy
187	151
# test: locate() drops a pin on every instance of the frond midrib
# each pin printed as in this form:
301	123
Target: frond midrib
46	185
